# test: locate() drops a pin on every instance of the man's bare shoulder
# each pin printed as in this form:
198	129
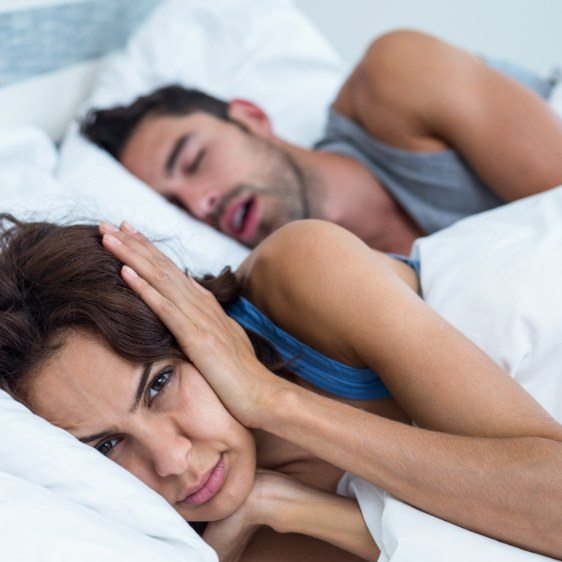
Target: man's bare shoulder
383	95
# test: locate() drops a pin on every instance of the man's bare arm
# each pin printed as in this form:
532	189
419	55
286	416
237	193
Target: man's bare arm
418	93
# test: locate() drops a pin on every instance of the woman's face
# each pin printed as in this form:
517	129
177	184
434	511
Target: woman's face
162	422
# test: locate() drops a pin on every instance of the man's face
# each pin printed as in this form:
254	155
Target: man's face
224	175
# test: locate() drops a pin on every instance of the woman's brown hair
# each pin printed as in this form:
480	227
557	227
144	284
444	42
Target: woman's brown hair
58	278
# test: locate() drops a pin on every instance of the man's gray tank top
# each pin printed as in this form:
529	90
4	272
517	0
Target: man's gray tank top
435	188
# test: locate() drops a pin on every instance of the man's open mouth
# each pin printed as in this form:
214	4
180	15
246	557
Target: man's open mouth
240	220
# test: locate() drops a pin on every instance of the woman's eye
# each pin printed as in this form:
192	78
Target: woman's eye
107	447
158	383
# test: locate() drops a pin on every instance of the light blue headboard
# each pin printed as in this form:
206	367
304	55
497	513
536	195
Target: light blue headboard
51	52
42	39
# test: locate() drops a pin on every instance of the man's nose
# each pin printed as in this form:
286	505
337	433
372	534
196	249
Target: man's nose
202	203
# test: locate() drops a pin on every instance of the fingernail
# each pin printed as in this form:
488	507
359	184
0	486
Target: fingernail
129	227
129	271
112	240
108	226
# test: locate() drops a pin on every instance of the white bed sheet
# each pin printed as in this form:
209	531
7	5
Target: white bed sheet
496	277
406	534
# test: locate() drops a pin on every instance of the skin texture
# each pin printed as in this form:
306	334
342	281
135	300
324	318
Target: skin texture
500	453
410	91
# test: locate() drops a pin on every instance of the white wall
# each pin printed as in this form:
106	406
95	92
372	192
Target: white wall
524	31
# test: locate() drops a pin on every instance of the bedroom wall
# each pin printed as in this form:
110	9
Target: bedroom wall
525	31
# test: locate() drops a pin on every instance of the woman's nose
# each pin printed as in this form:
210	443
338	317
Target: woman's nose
170	454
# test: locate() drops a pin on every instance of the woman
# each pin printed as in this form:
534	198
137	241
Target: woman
361	313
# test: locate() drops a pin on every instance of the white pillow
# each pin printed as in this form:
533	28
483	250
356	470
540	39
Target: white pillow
102	189
62	500
59	499
264	50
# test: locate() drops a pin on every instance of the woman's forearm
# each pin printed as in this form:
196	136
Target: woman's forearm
328	517
506	488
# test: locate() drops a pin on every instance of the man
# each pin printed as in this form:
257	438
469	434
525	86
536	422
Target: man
420	135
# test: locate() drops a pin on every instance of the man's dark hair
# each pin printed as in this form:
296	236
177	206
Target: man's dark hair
111	128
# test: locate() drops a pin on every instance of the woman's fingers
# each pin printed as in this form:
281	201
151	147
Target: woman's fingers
181	326
149	262
156	269
134	250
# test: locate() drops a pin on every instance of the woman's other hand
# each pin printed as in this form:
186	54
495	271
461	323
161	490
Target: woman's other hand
288	505
267	504
217	345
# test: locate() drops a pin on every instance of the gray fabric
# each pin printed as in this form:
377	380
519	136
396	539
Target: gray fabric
435	188
38	40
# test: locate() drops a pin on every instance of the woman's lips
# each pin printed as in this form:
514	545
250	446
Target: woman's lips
212	485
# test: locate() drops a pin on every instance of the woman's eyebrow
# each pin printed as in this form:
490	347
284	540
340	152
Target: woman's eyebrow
95	436
142	385
140	391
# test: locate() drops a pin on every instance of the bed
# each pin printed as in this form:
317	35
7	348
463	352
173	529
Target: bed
60	499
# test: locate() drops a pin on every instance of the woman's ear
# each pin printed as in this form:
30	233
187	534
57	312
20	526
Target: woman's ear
251	116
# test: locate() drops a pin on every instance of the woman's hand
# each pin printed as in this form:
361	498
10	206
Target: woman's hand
229	537
217	345
269	503
288	505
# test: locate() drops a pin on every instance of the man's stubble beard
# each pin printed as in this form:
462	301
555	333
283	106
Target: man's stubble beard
285	181
296	189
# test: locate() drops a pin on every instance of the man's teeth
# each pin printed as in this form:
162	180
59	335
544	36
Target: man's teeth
238	218
240	215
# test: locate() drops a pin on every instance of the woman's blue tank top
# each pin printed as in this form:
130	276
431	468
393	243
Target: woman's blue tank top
308	364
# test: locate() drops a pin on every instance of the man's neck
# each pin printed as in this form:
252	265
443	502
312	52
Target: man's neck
343	191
